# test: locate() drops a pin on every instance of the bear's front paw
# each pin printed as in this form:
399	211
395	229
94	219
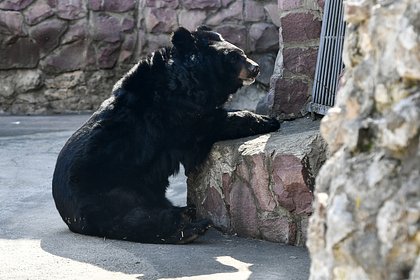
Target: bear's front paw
270	124
188	213
192	231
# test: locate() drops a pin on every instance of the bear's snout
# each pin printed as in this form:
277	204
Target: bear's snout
254	69
249	72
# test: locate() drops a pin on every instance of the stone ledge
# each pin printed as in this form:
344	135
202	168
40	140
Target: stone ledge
261	187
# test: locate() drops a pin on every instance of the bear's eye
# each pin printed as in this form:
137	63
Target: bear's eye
234	57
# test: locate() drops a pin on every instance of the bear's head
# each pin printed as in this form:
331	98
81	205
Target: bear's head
218	66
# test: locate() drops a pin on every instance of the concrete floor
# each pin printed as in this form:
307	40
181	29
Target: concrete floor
36	244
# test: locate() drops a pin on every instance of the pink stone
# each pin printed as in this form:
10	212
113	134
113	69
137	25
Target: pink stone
129	42
160	20
254	11
226	3
59	61
15	5
191	19
47	34
236	34
125	56
107	55
127	48
76	31
202	4
162	3
71	9
234	11
244	218
106	28
300	61
127	24
260	182
227	181
38	13
11	23
278	229
273	13
117	6
156	41
266	62
321	4
289	185
300	27
263	37
290	4
216	208
291	96
23	53
289	169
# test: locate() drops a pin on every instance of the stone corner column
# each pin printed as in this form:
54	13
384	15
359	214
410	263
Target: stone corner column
367	212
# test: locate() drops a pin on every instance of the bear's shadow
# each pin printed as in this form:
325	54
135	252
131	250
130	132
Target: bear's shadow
155	261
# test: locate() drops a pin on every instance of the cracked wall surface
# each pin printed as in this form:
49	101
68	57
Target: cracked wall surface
65	56
367	197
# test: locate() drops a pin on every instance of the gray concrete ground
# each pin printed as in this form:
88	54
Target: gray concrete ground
36	244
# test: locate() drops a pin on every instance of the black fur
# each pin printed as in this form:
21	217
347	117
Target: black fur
111	176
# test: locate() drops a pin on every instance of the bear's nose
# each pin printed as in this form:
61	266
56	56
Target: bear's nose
254	69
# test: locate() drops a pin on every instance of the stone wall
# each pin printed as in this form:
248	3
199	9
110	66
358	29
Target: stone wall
292	80
367	211
65	56
261	187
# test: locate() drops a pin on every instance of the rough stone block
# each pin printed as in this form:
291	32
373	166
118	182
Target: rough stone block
38	12
71	9
234	11
23	53
160	20
156	41
117	6
47	34
127	48
266	62
246	98
15	5
106	28
254	11
107	55
261	186
273	13
76	31
59	61
11	23
161	3
285	5
202	4
191	19
66	80
291	97
300	27
300	61
236	34
263	37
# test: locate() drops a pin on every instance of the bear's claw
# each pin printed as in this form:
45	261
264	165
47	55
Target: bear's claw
192	231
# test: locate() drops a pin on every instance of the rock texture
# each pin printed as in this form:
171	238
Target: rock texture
367	209
261	187
102	39
292	80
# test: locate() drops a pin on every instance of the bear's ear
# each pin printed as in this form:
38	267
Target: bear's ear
203	28
183	40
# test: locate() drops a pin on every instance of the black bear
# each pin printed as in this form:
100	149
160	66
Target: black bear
111	176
